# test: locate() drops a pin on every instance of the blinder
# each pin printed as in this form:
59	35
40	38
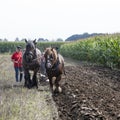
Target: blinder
49	61
50	64
30	52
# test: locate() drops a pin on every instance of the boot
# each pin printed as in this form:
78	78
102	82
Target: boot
21	75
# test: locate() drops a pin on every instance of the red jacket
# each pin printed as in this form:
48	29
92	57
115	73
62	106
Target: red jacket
17	59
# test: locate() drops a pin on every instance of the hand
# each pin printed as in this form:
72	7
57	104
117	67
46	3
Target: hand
15	61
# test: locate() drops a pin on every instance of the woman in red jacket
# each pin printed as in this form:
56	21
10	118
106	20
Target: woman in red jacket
17	60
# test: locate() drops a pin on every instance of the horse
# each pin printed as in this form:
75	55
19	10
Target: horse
31	62
54	64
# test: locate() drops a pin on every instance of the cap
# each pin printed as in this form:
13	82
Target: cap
19	47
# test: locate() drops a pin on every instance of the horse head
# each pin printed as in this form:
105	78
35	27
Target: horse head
51	57
30	50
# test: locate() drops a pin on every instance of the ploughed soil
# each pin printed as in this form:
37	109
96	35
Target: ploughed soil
90	92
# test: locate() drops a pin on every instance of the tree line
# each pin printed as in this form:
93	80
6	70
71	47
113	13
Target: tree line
82	36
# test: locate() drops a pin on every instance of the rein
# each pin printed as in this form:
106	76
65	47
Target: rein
55	66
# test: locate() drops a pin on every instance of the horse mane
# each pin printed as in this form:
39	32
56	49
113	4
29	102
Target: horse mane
55	55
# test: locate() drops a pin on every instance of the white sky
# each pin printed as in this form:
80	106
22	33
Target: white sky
52	19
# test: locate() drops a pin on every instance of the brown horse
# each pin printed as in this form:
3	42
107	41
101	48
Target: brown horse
31	62
54	64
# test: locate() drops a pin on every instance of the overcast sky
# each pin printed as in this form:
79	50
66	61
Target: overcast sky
52	19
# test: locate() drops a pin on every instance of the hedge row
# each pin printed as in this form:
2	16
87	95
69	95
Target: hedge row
9	47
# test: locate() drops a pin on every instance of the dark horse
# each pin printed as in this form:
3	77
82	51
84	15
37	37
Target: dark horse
31	61
54	64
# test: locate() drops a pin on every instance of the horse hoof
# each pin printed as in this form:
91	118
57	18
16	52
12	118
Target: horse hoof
59	89
29	86
56	91
54	87
56	94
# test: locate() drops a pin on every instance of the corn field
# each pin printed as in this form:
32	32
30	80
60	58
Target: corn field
103	50
9	47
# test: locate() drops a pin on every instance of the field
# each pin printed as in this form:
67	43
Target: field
19	103
90	92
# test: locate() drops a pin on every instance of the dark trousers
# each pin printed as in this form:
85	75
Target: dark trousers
18	74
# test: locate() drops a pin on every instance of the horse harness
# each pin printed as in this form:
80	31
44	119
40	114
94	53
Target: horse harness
33	61
54	68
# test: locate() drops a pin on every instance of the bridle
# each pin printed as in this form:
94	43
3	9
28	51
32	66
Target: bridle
49	62
30	55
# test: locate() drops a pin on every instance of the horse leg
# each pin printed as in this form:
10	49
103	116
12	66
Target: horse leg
53	83
34	80
50	82
58	89
27	79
